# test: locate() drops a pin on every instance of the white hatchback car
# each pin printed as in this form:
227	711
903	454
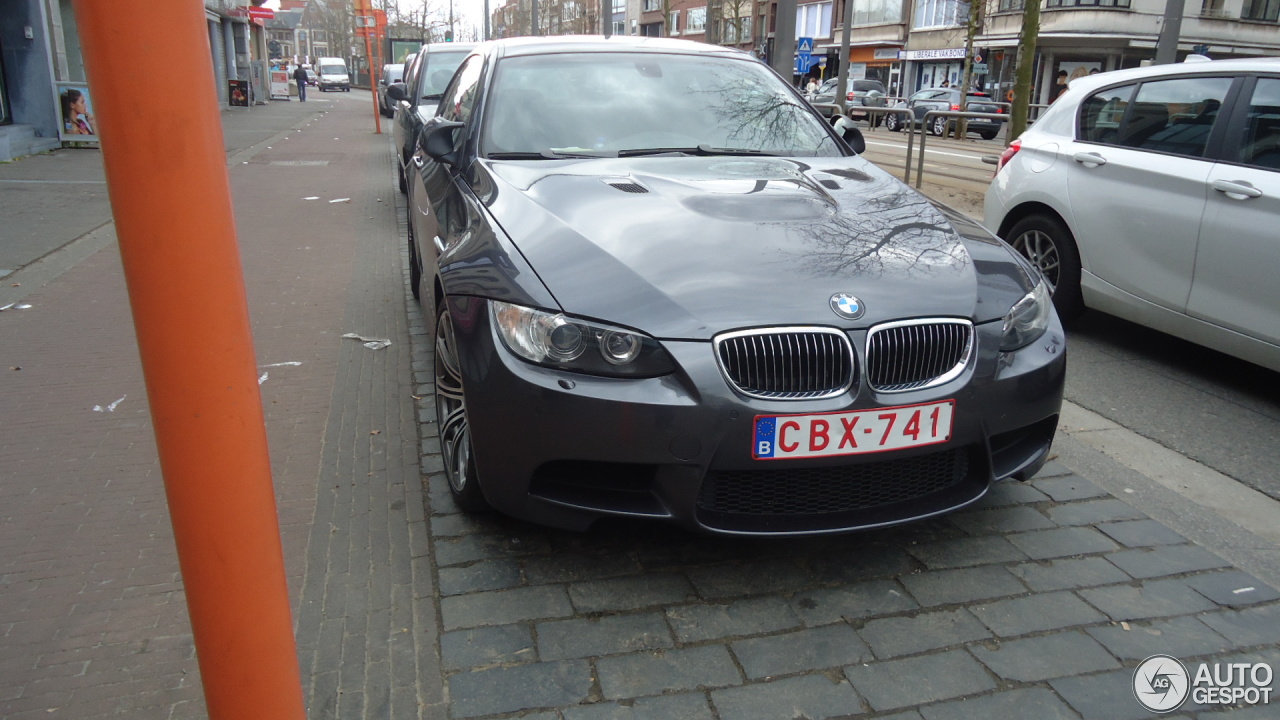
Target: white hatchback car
1153	194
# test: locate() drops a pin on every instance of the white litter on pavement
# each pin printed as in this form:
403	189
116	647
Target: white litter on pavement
263	378
111	407
294	363
1243	590
313	197
338	200
15	306
371	343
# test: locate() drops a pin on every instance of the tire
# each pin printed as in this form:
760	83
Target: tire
989	134
938	126
1049	245
893	122
451	419
415	266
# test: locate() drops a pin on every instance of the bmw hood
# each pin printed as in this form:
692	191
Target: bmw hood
687	247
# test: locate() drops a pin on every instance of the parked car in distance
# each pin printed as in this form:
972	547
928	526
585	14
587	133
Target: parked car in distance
948	99
858	94
333	74
392	73
415	99
660	286
1153	194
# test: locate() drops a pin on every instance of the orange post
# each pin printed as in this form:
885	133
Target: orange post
167	179
363	9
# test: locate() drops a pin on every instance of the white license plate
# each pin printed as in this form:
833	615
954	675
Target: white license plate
852	433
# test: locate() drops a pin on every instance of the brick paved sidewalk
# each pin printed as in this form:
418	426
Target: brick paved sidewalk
92	616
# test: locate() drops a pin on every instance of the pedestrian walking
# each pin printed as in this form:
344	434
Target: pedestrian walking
300	76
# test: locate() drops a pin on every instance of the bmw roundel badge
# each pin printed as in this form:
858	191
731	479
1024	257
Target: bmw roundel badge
847	306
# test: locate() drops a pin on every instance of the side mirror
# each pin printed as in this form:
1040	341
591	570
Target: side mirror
438	141
398	91
850	133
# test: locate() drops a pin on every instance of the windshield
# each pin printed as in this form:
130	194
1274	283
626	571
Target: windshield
437	70
629	103
332	70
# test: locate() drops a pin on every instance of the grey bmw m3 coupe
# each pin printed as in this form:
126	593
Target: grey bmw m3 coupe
663	287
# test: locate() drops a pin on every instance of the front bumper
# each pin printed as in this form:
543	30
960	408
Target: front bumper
565	449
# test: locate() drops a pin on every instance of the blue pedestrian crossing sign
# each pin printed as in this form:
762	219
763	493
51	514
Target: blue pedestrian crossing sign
804	58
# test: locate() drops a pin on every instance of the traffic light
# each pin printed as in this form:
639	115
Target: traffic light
448	36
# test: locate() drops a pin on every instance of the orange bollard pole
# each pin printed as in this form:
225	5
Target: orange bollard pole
167	179
364	9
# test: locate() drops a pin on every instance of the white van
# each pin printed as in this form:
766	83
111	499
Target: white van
333	74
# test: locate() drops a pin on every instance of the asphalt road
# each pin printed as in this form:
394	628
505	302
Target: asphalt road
1211	408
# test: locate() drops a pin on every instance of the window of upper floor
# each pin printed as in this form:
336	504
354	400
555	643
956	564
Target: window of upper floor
877	12
737	30
813	20
941	13
652	5
1087	3
1268	10
673	23
695	19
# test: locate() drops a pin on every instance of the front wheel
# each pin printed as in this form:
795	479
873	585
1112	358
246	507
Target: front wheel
1049	245
451	419
989	134
938	126
893	122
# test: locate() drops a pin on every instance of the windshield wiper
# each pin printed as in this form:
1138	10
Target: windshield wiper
696	150
549	155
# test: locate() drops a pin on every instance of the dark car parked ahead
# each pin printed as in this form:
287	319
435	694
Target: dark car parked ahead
948	99
414	101
858	94
661	286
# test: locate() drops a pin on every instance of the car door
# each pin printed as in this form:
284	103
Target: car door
1136	184
436	205
1235	280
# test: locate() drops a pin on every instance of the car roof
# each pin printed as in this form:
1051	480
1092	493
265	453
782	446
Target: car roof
598	43
1209	67
444	46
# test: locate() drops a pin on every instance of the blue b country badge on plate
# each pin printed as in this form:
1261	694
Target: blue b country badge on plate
765	429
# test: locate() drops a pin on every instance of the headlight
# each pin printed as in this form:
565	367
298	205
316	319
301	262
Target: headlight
1027	319
567	343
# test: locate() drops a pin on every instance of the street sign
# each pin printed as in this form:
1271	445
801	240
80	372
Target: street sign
822	61
979	68
804	45
261	13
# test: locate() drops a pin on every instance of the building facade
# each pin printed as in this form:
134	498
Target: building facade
45	98
913	44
